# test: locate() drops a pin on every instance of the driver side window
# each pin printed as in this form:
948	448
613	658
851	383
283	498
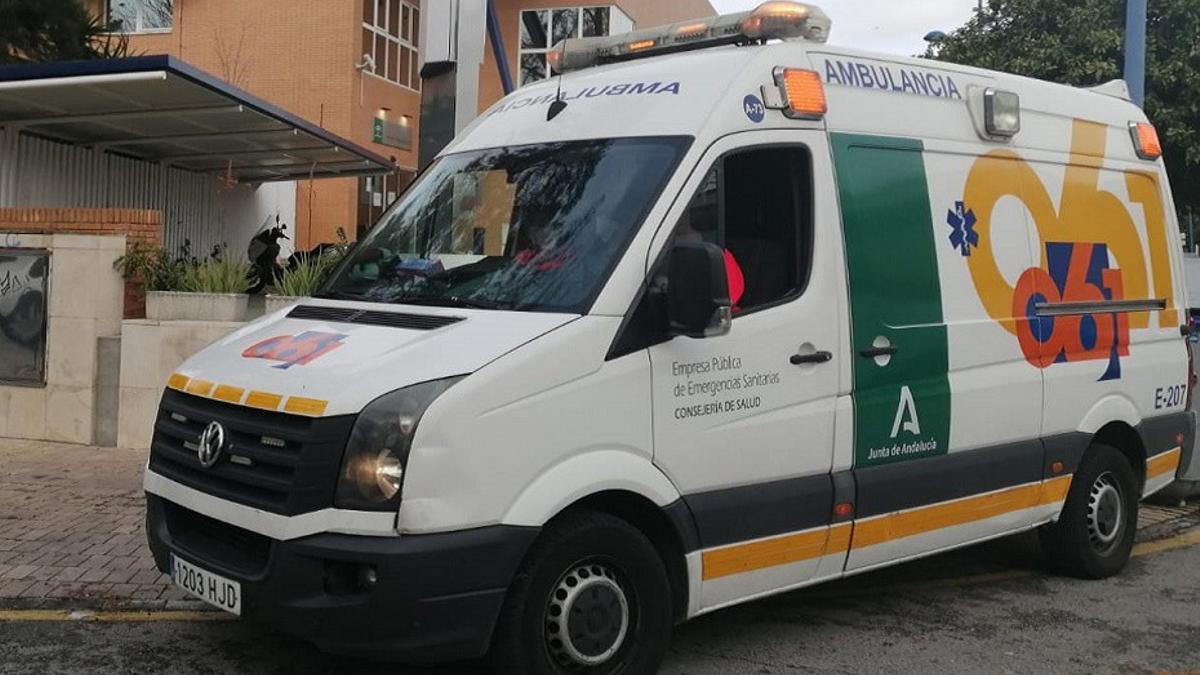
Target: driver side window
756	204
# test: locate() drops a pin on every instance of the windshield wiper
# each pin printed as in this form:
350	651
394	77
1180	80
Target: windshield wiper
450	301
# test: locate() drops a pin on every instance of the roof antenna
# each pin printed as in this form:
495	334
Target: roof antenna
558	104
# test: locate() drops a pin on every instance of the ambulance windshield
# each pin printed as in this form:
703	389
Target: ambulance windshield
534	227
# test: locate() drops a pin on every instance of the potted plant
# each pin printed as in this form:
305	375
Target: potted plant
305	274
186	289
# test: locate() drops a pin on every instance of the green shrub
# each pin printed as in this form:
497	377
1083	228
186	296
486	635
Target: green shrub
154	266
218	274
303	279
310	271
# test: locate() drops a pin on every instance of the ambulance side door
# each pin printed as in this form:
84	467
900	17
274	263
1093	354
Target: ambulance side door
744	422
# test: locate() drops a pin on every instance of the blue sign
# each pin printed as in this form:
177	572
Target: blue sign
754	108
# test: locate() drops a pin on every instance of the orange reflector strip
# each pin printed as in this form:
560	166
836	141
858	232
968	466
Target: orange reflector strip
1164	463
640	45
200	387
306	406
1148	145
228	394
804	92
264	400
177	381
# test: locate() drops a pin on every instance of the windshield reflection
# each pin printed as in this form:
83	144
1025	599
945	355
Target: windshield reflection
535	227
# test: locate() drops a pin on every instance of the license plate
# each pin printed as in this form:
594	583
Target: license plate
212	588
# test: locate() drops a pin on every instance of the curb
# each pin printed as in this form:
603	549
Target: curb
104	605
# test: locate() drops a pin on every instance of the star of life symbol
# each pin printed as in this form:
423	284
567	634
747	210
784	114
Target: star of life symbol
962	229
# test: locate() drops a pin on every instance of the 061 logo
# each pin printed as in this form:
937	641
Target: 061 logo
1092	253
295	350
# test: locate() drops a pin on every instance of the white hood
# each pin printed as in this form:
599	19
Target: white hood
338	368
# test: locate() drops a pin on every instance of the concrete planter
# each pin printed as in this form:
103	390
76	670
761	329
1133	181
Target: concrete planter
176	306
278	302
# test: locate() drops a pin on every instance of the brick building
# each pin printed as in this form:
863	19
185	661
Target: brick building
309	57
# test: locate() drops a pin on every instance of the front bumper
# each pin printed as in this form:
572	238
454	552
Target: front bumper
436	597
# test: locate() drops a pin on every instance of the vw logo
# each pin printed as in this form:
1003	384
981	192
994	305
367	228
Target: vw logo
212	442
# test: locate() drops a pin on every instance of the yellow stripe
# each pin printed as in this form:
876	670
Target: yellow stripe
112	616
178	381
264	400
312	407
1160	464
723	562
228	394
200	387
938	516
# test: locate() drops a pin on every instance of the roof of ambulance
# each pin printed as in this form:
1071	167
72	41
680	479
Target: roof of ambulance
700	93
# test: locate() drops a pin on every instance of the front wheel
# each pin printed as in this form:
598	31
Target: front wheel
1094	534
592	597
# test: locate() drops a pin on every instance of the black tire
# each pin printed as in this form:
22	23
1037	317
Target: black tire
597	552
1090	540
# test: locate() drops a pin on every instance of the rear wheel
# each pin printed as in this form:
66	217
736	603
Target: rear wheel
1094	534
592	597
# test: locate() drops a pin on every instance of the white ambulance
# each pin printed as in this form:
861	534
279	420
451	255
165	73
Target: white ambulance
720	312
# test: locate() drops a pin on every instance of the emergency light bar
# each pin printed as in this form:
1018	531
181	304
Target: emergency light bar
775	20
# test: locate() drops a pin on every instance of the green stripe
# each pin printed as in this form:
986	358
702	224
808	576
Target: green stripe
895	293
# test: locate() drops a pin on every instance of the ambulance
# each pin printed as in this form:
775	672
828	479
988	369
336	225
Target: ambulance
717	312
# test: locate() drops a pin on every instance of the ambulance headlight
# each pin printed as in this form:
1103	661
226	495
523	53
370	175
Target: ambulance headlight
377	453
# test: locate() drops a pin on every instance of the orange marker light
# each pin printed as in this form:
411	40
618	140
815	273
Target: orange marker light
774	14
804	93
1145	140
555	58
692	29
843	510
640	45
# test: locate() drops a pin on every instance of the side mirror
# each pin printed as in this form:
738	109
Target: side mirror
698	302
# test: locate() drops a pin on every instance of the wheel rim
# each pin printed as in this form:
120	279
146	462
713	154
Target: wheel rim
1106	513
587	616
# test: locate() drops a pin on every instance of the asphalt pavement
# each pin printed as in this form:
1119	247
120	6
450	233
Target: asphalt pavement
987	609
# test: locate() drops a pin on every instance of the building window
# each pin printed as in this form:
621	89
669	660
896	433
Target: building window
141	16
389	37
541	29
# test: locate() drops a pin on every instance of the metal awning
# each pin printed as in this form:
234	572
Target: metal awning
161	109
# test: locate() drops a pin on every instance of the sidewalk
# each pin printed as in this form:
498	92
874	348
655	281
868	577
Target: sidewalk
71	529
71	533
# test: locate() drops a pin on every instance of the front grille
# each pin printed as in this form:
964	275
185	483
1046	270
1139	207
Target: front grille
209	541
281	463
373	318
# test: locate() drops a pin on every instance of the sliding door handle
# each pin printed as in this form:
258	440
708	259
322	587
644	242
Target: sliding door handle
876	352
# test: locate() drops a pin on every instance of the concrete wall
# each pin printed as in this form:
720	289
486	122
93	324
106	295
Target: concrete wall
85	304
135	225
150	352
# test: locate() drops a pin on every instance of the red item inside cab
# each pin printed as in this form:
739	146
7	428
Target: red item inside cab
737	282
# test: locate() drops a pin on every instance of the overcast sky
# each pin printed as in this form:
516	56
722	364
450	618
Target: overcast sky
893	26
